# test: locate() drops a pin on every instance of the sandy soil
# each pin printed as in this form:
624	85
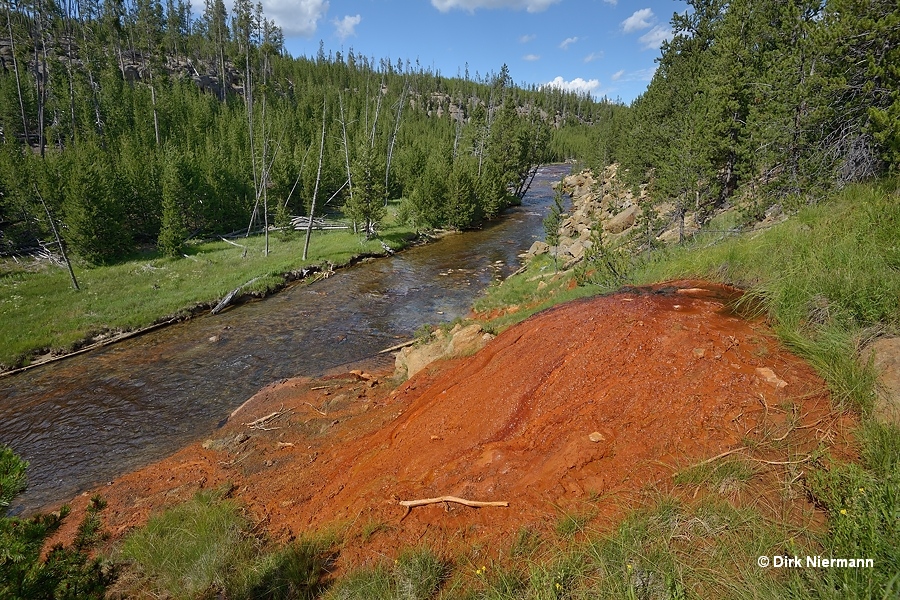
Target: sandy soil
597	401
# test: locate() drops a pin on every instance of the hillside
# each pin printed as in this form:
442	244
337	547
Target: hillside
582	409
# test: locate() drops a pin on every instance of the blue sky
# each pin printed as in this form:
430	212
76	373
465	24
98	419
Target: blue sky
606	47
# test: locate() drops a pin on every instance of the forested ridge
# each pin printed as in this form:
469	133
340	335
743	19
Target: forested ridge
131	124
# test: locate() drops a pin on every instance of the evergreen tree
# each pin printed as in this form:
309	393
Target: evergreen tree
93	217
175	196
366	208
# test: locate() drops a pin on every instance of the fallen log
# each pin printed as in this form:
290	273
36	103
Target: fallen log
230	296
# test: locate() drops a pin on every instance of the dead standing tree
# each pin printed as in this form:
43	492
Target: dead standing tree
312	207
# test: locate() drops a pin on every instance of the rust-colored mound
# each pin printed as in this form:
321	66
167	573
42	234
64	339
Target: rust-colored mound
596	398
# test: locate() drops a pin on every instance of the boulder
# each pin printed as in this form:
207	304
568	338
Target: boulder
576	250
461	341
537	249
623	220
465	340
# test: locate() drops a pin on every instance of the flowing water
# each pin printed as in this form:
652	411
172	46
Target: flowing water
82	421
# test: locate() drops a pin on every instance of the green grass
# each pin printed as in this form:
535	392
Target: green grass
417	574
571	523
205	548
195	549
522	292
40	310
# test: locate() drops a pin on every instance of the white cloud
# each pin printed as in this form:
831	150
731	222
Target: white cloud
593	56
641	19
639	75
296	17
527	38
531	6
576	85
655	37
344	28
613	2
531	57
568	42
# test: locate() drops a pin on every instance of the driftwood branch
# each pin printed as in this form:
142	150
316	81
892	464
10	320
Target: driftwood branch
397	347
472	503
410	504
263	422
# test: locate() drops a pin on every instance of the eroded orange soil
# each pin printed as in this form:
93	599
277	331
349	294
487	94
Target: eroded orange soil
597	400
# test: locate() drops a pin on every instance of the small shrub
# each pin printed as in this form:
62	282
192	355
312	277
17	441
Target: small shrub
66	572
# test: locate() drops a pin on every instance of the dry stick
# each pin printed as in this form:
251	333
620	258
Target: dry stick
232	243
230	296
262	420
718	456
781	462
410	504
324	414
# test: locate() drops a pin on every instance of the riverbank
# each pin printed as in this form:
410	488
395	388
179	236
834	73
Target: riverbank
339	453
43	319
649	443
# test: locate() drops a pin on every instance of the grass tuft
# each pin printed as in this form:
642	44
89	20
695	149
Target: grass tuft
197	548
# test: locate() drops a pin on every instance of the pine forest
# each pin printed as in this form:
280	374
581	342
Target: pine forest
132	123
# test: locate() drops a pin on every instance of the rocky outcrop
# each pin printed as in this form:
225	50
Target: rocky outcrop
459	341
604	207
601	206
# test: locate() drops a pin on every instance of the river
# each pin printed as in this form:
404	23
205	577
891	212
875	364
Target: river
82	421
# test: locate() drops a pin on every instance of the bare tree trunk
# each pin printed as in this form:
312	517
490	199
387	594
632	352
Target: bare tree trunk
346	153
62	249
98	121
377	110
248	100
390	152
152	87
70	35
485	131
265	173
12	42
312	207
41	79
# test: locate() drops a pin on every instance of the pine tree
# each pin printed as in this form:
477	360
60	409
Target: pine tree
367	206
175	196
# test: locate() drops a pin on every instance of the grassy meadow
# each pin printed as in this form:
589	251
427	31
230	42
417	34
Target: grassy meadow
40	311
